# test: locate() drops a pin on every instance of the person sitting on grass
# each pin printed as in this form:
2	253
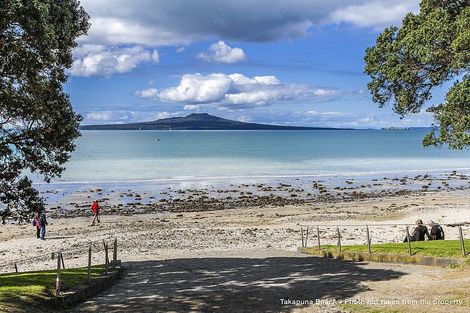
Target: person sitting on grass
95	207
437	233
419	232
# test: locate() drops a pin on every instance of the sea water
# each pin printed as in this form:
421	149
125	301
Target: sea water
133	156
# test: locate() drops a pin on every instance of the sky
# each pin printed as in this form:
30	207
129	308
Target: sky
285	62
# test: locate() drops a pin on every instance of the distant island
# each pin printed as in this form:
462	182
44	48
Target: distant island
197	121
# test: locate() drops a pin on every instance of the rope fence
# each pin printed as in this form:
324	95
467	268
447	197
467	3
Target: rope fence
340	234
98	250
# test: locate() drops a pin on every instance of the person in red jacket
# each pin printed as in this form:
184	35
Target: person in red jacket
95	207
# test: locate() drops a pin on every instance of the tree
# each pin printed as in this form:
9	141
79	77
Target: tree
37	123
431	48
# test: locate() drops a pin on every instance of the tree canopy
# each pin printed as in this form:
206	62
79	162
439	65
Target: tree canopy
37	123
430	49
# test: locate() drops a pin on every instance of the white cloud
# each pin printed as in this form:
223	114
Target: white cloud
191	107
332	113
241	79
100	116
198	88
90	60
164	114
147	93
161	22
243	118
222	53
376	13
124	116
236	90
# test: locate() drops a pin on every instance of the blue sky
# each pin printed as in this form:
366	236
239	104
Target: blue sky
297	62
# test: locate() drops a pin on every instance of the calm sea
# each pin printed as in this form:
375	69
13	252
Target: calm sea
109	156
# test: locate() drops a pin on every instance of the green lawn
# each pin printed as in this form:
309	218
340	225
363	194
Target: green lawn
20	289
438	248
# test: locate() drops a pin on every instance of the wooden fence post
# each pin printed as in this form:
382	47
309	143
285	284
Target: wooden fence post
62	258
115	253
16	268
57	281
105	257
368	239
306	237
462	242
408	239
302	235
318	237
339	238
89	264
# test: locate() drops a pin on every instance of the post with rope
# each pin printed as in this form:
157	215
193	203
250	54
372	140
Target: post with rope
462	242
114	253
339	238
89	263
57	281
105	258
306	236
62	259
368	239
408	239
318	237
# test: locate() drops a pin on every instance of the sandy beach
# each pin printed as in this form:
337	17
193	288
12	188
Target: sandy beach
255	226
192	224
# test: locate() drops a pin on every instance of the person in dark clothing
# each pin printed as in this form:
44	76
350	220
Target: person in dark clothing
437	233
43	223
419	232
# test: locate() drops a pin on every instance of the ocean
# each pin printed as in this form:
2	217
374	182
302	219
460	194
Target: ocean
140	156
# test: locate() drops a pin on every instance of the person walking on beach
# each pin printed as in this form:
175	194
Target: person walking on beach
95	207
36	224
42	224
419	232
437	233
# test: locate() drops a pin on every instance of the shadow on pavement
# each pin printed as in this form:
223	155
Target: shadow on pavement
232	284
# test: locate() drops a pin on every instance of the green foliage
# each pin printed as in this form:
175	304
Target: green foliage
37	123
429	49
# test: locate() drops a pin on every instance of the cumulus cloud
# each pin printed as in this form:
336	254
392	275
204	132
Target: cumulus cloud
222	53
100	116
91	60
236	90
331	113
375	13
162	22
147	93
191	107
124	116
198	88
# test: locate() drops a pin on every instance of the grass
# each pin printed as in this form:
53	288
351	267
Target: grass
436	248
21	289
